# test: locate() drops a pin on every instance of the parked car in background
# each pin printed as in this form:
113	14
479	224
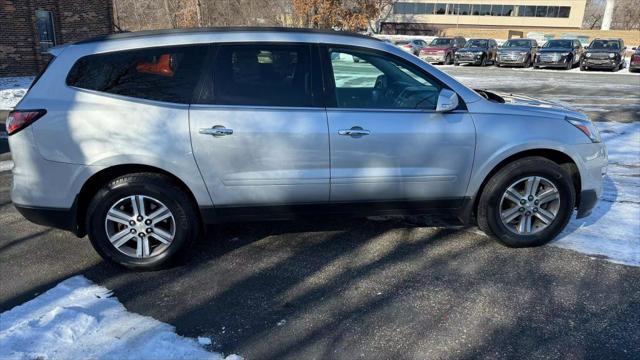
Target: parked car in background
411	46
634	63
442	50
141	139
561	53
477	52
517	52
607	54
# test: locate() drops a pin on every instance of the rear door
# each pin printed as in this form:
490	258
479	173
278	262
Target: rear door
258	134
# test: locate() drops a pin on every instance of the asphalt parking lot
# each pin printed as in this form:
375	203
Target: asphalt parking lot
358	288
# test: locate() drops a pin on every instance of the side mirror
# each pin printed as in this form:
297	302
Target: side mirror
447	101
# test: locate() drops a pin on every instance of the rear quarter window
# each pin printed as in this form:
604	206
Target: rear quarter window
167	74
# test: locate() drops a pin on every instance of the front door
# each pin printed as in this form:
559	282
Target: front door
257	135
387	141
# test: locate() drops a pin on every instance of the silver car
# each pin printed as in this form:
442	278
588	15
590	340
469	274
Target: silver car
141	139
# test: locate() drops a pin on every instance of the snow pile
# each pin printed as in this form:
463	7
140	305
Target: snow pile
80	320
612	231
12	89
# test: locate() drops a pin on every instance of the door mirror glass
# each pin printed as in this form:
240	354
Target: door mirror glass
447	101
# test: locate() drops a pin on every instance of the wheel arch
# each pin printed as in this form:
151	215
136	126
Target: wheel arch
102	177
556	156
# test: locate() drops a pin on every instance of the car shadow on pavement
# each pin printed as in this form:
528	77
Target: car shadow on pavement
346	288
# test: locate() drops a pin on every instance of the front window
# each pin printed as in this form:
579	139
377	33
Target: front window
558	44
517	44
379	82
441	42
604	45
477	43
46	31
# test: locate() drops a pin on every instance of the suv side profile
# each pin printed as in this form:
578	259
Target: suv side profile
141	139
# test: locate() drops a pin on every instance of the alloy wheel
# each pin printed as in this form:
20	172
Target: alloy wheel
529	205
140	226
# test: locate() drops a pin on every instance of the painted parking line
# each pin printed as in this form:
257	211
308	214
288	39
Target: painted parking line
6	165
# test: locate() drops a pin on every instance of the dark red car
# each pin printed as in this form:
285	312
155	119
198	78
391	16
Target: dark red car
634	63
442	50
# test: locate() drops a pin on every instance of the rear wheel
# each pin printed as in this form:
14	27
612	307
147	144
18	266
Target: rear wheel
527	203
142	221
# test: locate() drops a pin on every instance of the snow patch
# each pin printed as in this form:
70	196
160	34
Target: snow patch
6	165
12	89
80	320
612	230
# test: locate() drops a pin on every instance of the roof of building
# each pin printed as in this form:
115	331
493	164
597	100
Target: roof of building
152	33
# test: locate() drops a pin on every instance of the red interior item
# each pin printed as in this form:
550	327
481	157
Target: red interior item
162	66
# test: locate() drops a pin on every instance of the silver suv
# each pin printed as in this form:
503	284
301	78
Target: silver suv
141	139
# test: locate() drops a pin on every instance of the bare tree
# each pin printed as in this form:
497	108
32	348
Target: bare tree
385	9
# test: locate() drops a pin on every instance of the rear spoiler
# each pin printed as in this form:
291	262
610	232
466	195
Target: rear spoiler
57	50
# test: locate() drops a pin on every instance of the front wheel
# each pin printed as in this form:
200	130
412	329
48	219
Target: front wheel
527	203
142	221
448	60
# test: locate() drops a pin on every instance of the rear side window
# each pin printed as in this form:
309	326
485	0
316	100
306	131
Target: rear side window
263	75
164	74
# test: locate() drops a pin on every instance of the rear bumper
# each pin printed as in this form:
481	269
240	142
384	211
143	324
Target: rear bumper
63	219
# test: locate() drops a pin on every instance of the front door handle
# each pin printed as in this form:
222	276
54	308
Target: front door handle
355	132
216	131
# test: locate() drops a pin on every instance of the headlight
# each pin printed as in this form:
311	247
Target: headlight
588	54
587	127
611	56
478	53
523	53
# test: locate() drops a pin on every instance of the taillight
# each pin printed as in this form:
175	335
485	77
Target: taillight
20	119
635	59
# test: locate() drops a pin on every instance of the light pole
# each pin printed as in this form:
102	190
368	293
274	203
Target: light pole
608	15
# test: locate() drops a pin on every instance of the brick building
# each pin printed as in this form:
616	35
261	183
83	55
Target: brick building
29	27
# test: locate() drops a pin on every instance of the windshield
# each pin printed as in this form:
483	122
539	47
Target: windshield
604	44
477	43
438	42
517	43
558	44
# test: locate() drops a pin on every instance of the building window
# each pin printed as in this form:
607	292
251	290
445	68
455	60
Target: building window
507	10
564	11
541	11
46	31
428	8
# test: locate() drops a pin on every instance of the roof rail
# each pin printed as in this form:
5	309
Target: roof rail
151	33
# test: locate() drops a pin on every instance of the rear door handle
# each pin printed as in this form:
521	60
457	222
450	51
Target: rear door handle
355	132
216	131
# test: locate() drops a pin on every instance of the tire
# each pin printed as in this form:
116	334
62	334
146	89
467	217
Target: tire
483	62
527	63
569	64
583	68
490	206
456	63
183	222
448	60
